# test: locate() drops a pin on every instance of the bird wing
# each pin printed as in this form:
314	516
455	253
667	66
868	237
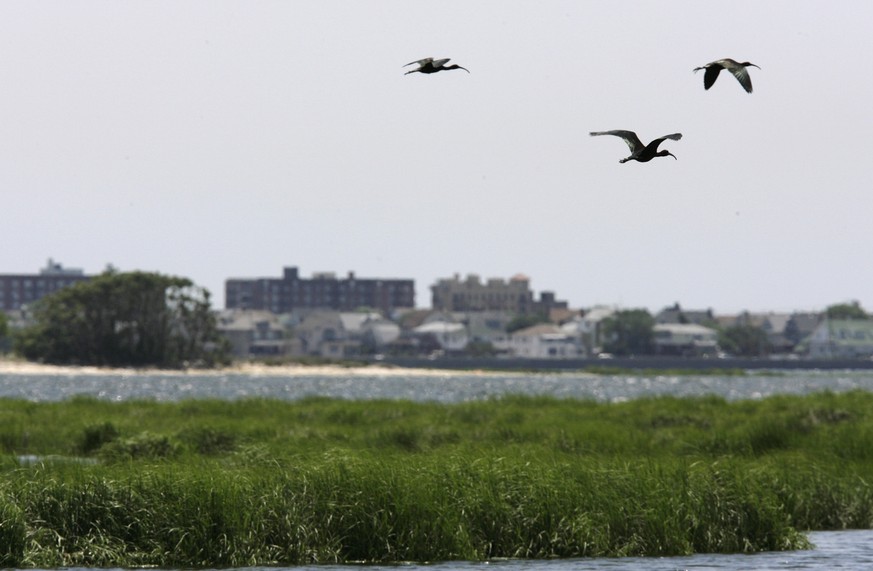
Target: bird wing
440	62
421	61
675	137
711	74
633	142
742	76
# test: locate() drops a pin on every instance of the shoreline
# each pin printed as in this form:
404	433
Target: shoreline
22	367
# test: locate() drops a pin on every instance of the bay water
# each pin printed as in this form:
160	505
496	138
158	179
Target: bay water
292	383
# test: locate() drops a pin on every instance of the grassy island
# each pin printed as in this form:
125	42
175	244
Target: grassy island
260	482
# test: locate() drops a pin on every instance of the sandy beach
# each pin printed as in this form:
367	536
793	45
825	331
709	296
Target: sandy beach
21	367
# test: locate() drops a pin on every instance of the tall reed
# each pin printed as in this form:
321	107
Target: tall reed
224	484
356	508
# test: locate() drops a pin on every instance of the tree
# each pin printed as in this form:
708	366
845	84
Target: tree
125	319
629	332
520	322
479	348
4	331
851	310
745	341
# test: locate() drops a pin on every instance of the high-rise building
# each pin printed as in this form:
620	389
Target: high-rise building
322	291
17	290
471	294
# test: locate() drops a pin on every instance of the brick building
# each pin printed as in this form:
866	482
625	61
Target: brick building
321	291
17	290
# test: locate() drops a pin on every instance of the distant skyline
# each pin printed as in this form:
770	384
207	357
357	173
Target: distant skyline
59	268
214	139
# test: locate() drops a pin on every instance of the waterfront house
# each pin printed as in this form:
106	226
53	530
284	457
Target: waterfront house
544	341
675	314
841	339
450	336
686	339
254	333
369	329
587	327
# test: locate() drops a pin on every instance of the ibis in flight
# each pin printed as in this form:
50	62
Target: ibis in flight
430	65
639	151
738	69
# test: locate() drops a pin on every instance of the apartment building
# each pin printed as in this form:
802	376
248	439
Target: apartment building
323	290
471	294
17	290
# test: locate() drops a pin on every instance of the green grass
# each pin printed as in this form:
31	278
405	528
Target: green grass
214	483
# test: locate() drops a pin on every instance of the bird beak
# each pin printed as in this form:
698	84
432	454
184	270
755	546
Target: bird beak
672	155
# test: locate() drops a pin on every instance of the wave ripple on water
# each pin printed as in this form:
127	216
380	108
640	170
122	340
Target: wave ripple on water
39	383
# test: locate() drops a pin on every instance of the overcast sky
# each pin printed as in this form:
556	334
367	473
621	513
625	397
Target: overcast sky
215	139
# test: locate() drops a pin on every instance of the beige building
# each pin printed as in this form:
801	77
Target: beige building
471	294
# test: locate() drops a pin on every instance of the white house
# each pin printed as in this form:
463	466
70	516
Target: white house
685	339
841	339
587	328
487	327
450	336
322	333
253	332
371	326
544	341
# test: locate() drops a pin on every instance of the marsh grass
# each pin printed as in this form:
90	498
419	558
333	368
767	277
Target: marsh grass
363	509
228	484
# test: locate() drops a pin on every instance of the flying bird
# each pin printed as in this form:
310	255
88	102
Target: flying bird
430	65
738	69
639	151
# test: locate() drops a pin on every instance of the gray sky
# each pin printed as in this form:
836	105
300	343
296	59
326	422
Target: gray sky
215	139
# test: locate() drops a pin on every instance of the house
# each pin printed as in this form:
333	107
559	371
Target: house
254	333
801	325
784	330
686	339
487	327
676	314
369	329
587	327
451	337
773	324
545	341
841	339
322	334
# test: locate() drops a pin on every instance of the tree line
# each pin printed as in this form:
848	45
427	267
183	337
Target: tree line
133	319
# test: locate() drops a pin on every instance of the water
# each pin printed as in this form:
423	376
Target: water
439	386
833	550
